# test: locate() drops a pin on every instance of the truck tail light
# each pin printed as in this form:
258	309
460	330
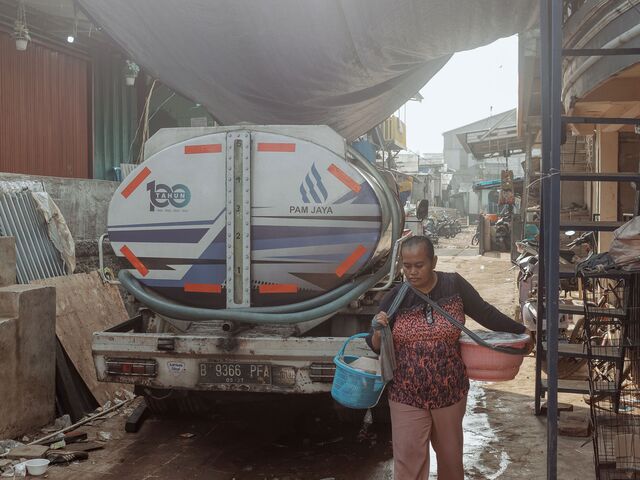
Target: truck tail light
134	367
322	372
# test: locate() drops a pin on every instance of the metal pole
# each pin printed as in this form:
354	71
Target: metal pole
543	273
553	222
524	203
544	160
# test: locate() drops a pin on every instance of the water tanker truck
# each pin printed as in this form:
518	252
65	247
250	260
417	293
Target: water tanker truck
253	252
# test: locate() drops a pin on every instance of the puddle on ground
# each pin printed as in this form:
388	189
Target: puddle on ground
484	458
480	440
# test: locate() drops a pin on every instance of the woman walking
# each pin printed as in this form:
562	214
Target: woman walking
428	394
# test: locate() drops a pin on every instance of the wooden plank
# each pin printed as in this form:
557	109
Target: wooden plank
574	425
84	447
27	451
136	419
562	407
72	394
74	437
569	386
85	305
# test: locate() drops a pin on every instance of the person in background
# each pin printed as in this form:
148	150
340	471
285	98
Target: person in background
531	230
428	393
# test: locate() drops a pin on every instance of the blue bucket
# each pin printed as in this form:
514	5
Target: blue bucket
351	387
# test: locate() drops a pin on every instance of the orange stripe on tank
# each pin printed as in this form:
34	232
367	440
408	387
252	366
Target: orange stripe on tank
351	260
276	147
203	287
135	261
135	183
278	288
208	148
344	178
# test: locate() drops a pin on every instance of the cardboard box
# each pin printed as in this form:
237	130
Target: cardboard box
627	451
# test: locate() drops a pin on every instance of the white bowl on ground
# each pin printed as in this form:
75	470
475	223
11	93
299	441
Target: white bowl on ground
37	466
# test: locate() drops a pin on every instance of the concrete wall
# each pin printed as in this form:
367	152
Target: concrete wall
7	261
84	203
454	154
27	357
474	203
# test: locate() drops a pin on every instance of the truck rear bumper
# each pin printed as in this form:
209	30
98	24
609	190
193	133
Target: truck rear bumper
247	363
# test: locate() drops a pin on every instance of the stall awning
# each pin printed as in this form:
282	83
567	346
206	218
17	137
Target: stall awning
345	63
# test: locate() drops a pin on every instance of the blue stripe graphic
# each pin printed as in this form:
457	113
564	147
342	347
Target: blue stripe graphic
171	224
193	235
312	190
303	192
319	183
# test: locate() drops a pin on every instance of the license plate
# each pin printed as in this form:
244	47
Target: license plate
235	373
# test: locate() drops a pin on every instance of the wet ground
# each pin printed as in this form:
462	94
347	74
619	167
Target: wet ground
284	438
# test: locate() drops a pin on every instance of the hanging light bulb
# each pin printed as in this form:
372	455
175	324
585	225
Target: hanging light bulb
74	33
20	30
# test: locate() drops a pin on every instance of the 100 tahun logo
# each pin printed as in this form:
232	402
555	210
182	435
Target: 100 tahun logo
161	195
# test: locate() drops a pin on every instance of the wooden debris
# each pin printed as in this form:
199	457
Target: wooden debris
85	305
27	451
574	425
136	419
74	437
562	407
84	447
82	422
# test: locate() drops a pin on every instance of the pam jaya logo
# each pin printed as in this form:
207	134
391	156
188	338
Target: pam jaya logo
161	195
312	190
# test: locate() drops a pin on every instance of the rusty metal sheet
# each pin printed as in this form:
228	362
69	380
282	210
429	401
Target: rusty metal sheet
44	111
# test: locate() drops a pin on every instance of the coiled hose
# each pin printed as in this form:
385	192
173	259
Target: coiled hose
324	305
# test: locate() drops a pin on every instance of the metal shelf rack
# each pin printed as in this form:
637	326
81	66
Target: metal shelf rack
553	122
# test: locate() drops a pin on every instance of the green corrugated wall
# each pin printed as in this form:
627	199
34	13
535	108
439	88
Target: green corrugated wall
114	115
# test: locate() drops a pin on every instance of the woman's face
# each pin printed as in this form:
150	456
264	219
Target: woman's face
417	266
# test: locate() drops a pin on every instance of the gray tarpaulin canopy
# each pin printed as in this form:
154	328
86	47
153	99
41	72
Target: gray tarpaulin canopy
345	63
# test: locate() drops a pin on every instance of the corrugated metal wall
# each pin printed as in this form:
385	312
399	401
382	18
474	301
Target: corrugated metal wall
44	111
114	106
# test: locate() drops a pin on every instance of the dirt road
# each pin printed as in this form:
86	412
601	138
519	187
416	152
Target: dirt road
282	439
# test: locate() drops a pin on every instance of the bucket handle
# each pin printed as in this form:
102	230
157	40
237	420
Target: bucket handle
348	340
461	326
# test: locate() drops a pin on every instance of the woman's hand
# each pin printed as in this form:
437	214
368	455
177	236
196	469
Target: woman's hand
531	343
380	321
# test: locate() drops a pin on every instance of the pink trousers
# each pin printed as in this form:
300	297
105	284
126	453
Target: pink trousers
413	428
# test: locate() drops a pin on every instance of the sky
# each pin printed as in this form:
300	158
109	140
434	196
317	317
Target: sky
465	90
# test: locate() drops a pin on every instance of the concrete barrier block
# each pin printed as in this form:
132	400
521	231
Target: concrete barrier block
27	358
7	261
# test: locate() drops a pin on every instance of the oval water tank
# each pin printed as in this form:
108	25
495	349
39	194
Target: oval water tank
315	220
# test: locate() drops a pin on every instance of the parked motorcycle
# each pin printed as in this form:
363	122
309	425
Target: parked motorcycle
430	230
503	233
448	227
475	240
571	326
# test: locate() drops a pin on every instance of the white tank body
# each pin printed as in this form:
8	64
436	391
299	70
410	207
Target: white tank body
313	220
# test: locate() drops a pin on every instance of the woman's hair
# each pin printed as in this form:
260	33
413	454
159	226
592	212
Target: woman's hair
418	240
